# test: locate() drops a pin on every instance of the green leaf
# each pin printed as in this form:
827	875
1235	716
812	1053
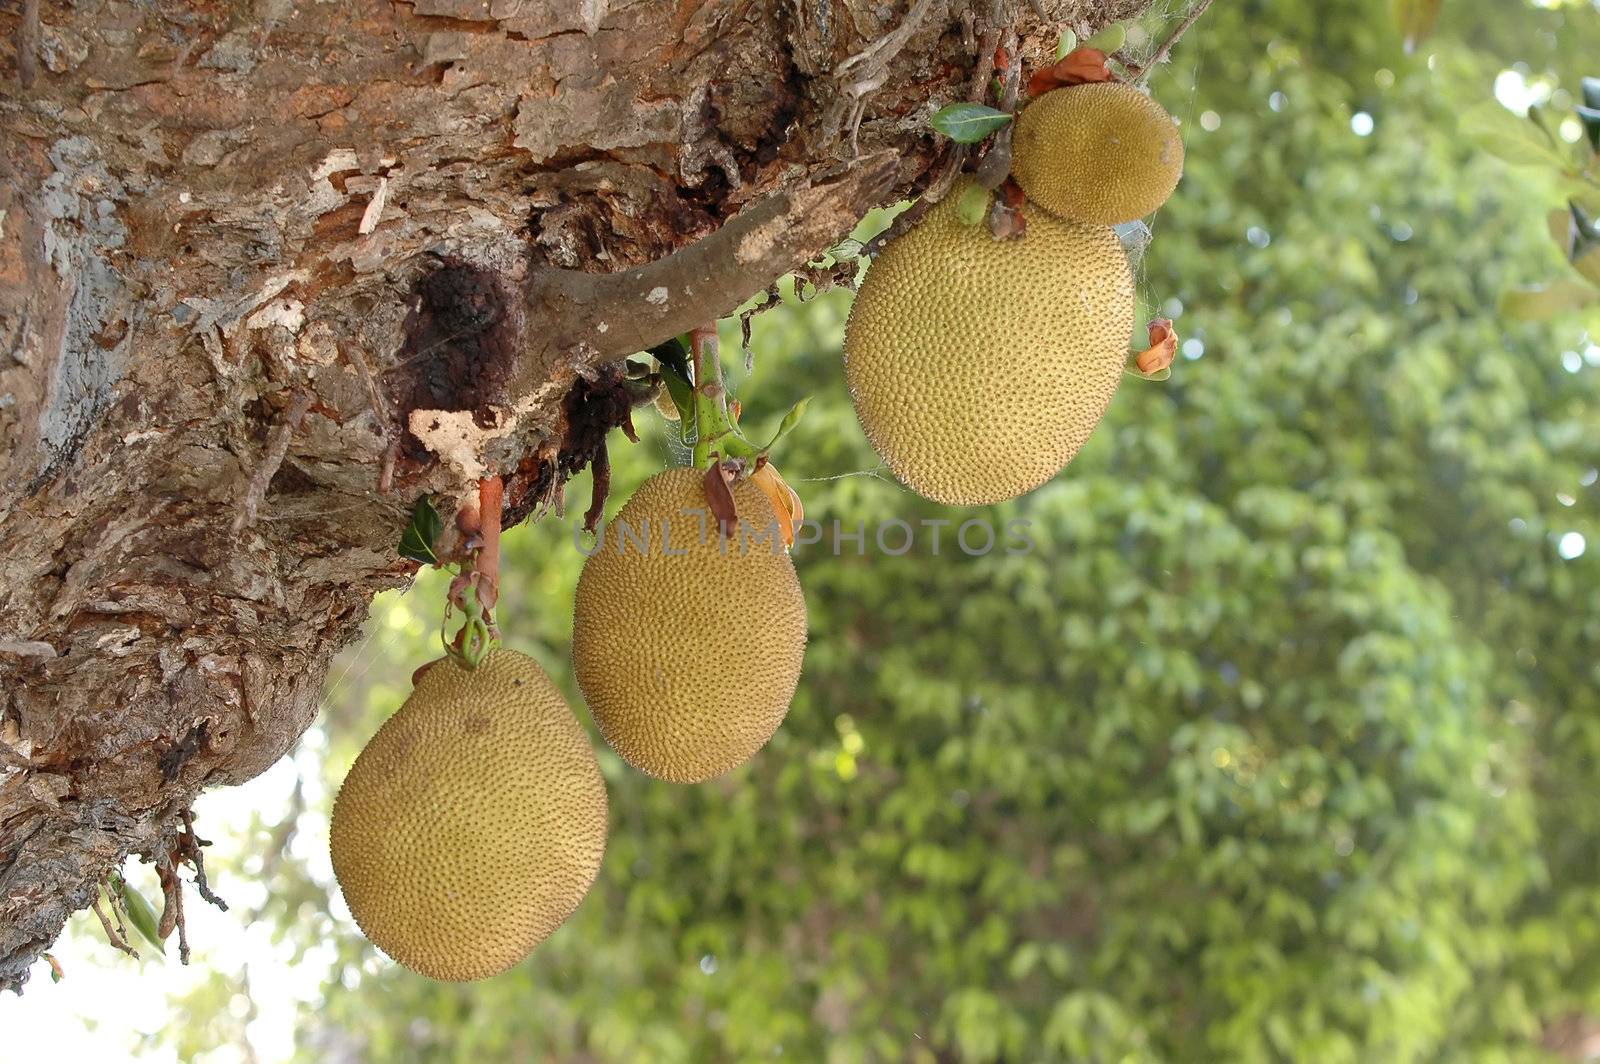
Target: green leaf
1547	301
141	914
1110	39
673	355
1560	224
1416	20
422	534
1066	44
790	420
1587	263
1580	189
968	123
1024	960
1510	137
973	204
682	396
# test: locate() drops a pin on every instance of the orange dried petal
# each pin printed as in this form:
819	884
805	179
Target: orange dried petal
785	501
1078	67
1162	350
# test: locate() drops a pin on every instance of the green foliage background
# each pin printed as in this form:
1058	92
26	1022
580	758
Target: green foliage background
1280	745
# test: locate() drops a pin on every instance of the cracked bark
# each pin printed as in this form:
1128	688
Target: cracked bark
213	221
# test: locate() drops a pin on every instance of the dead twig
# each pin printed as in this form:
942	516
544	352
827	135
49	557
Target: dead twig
874	61
1012	82
119	905
382	417
885	48
1159	56
28	44
772	298
189	848
256	490
996	165
600	468
117	940
172	910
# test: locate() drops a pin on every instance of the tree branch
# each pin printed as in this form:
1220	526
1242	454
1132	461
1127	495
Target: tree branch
595	318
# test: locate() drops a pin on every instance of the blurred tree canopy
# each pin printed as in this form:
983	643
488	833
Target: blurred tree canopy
1280	744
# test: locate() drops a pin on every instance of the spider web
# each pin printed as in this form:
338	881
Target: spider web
1175	84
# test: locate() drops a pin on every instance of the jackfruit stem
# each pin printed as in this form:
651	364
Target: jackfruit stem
711	421
477	635
487	563
477	588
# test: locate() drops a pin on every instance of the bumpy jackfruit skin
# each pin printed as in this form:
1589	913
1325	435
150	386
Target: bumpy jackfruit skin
978	367
688	661
1100	154
473	823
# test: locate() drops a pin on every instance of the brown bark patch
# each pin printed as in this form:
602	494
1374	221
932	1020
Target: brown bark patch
462	341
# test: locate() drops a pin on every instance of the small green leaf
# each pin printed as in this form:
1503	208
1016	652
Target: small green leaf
674	358
1024	960
973	204
968	123
1066	44
1547	301
1510	137
422	534
790	420
140	913
1110	39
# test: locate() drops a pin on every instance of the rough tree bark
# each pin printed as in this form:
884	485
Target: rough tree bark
218	225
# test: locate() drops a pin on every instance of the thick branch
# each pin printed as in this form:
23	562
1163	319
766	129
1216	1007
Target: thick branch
605	317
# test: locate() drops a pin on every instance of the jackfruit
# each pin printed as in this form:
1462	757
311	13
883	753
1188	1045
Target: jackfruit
473	823
686	644
1101	153
978	366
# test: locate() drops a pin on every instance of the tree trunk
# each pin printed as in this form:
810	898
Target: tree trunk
270	271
